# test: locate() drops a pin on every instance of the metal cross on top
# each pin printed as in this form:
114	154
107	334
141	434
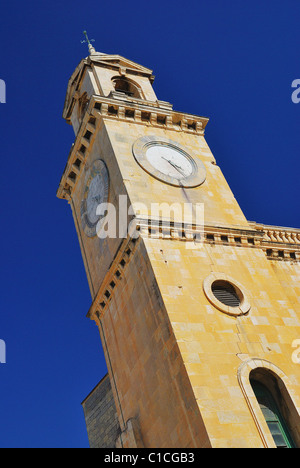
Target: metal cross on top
88	42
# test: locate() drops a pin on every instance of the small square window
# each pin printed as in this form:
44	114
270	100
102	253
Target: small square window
87	135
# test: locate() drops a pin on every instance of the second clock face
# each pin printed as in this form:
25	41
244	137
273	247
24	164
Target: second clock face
95	193
169	162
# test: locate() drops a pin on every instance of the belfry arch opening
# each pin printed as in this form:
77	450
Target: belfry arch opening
125	86
277	407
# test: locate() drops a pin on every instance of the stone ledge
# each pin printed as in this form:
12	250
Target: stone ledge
145	113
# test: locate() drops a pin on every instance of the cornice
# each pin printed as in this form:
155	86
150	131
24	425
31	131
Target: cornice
118	62
154	114
112	279
212	235
279	243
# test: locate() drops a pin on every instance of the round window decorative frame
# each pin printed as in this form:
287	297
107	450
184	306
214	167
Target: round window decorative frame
140	148
244	306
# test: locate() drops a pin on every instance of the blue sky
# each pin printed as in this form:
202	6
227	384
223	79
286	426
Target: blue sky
232	61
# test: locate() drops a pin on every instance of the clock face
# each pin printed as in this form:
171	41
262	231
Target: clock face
169	162
95	193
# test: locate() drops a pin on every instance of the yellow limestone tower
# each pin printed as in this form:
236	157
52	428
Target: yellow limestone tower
197	308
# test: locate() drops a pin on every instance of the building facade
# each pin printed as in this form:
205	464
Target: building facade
197	308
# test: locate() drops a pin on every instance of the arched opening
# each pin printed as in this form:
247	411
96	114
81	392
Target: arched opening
276	406
124	86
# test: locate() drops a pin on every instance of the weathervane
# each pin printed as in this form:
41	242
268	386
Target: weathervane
88	42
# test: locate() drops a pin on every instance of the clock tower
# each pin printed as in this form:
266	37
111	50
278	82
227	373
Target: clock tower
179	278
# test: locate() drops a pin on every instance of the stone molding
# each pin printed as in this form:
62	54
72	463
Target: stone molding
279	243
154	114
158	229
224	235
112	279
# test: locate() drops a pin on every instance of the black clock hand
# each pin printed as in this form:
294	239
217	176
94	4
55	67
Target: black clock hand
178	169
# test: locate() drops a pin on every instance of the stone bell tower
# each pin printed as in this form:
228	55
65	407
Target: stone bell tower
186	311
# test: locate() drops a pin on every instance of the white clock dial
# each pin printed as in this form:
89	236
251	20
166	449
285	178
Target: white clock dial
169	161
95	193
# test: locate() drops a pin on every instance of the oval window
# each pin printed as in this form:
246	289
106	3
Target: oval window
226	293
